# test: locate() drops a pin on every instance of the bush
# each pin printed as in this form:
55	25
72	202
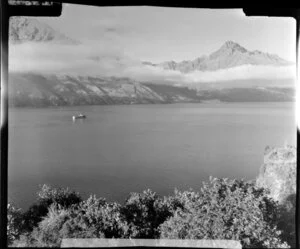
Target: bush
25	240
51	230
105	218
93	218
48	232
287	220
62	196
47	196
223	209
144	213
226	209
13	223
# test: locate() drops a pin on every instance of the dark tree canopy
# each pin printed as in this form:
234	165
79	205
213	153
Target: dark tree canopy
222	209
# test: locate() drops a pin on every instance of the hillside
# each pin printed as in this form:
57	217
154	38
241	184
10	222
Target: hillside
52	90
37	90
41	89
249	94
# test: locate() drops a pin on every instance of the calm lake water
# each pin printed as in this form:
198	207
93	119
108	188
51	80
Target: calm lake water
121	149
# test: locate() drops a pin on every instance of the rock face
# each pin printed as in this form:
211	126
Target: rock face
24	29
278	173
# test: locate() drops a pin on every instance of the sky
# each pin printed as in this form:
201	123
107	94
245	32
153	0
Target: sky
158	33
122	37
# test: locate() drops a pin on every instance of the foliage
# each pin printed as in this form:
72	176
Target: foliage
62	196
287	220
223	209
47	233
226	209
25	240
46	196
13	223
144	213
105	218
93	218
50	232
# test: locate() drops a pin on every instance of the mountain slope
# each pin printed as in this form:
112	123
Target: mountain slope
42	90
230	55
24	29
256	94
36	90
27	89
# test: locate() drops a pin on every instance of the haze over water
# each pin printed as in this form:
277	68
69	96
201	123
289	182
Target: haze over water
120	149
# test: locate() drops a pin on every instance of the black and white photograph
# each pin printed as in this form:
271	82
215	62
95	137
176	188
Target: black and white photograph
147	124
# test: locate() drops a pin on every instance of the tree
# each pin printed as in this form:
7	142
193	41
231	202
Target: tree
92	218
46	196
48	231
104	217
13	223
226	209
287	220
222	209
144	213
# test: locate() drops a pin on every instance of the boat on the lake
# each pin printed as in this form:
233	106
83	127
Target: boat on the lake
80	116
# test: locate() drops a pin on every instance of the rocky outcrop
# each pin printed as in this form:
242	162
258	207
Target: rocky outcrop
278	173
24	29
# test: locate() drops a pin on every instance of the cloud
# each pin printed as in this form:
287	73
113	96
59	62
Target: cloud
105	58
93	59
244	72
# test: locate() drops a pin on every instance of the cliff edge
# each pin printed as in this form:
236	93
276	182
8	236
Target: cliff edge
278	173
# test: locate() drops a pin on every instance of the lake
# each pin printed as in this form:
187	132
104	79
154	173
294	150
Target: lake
124	148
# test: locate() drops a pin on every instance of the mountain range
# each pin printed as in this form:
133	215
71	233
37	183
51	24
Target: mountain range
40	89
23	29
36	90
230	55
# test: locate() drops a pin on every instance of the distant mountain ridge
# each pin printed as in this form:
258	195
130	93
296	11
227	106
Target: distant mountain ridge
43	90
37	90
24	29
230	55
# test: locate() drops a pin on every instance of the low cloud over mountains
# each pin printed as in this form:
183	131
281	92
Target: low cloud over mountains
38	49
